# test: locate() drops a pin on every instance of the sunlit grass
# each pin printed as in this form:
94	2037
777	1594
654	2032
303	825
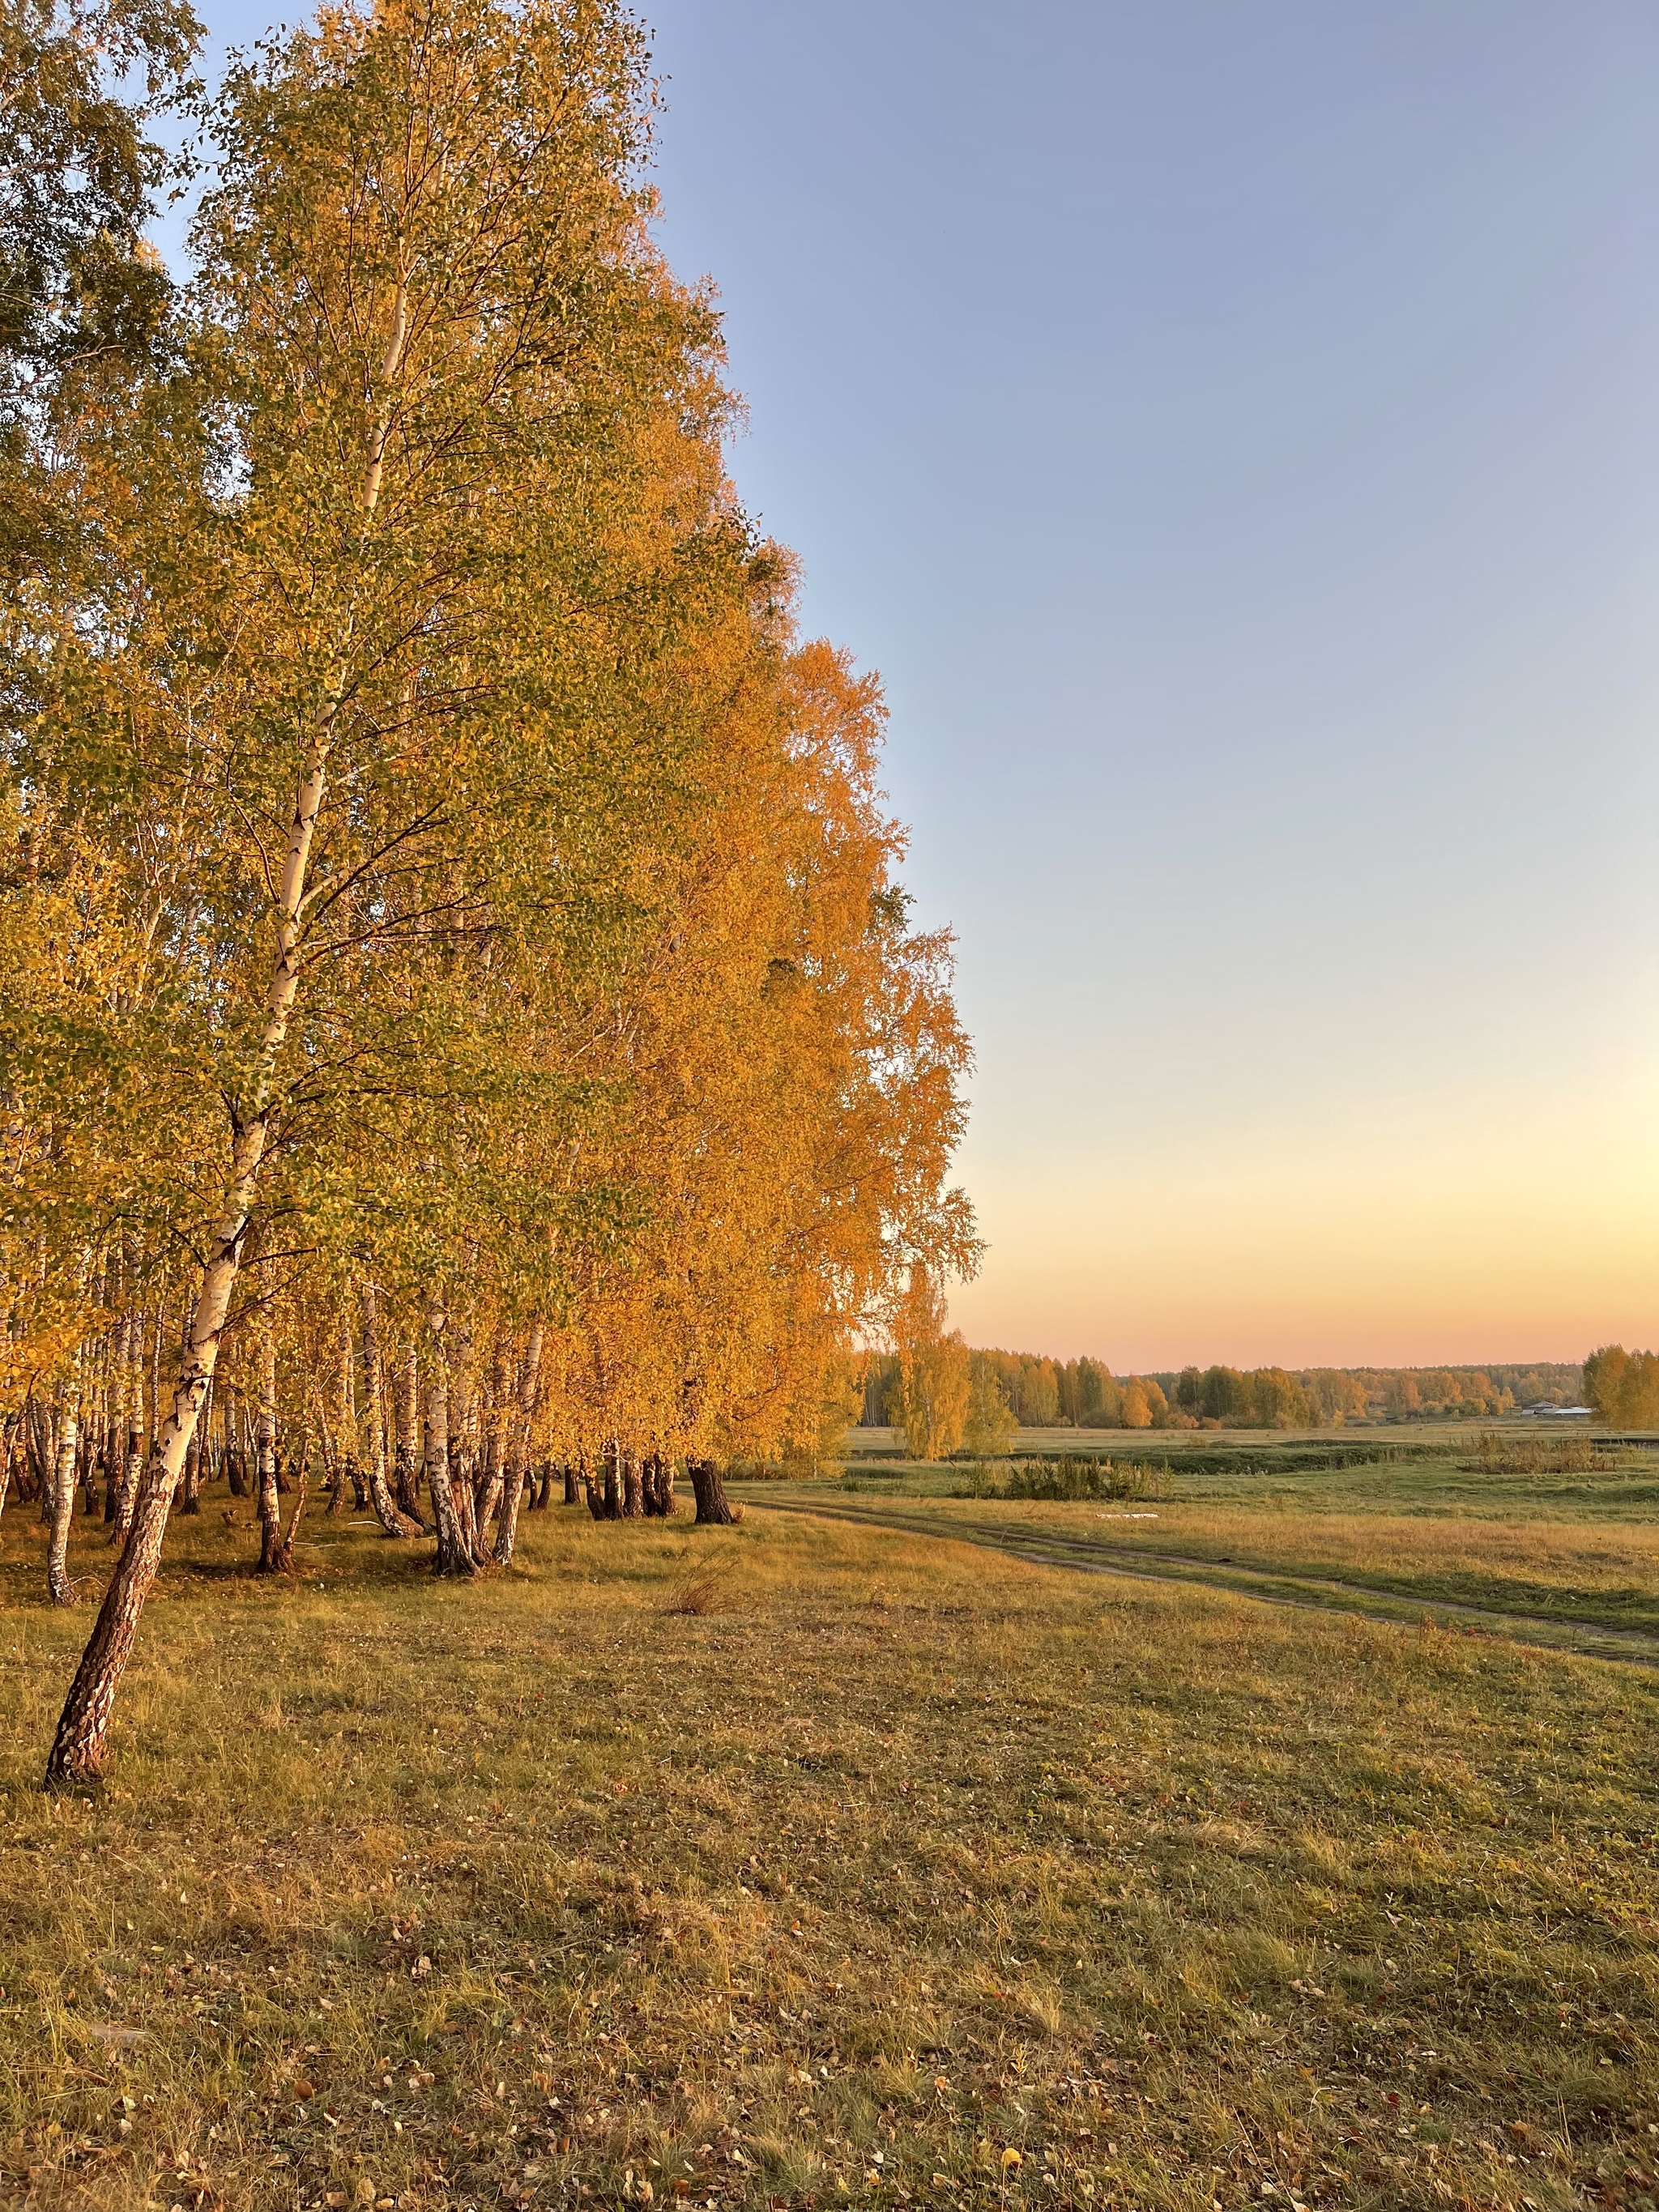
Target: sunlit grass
1605	1574
1562	1549
911	1862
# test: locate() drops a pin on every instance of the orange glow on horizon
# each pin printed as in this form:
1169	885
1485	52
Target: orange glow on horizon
1531	1241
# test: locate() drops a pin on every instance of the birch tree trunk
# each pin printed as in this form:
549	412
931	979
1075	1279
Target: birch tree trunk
43	1455
463	1500
491	1481
611	1457
454	1554
270	1507
191	1484
712	1506
61	1590
285	1540
463	1456
91	1453
115	1462
351	1426
498	1445
153	1421
236	1446
395	1524
345	1472
519	1457
408	1430
80	1744
334	1470
132	1464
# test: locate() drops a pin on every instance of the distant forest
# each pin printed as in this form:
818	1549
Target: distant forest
1042	1393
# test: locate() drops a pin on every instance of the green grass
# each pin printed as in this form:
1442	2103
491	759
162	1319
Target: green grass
912	1861
1440	1476
1571	1558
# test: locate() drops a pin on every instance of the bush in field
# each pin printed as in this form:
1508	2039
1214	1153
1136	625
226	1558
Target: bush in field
1504	1453
1071	1480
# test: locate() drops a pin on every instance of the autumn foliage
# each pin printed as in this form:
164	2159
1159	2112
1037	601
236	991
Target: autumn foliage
1030	1390
463	1039
1623	1386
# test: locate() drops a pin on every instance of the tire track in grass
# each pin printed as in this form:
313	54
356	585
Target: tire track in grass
1043	1548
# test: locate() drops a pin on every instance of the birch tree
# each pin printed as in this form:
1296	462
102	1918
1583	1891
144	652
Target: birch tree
426	274
452	904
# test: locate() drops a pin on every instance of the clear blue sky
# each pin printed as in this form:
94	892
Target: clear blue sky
1233	431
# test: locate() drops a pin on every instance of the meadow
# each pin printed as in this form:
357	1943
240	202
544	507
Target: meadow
1522	1538
813	1862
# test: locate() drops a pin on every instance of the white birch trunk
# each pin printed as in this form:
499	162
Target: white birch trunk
80	1744
395	1523
60	1588
454	1553
408	1434
518	1456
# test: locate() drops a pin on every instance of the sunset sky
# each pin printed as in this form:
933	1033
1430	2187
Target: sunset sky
1234	434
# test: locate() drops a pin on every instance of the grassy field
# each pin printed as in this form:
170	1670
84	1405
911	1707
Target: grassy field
1568	1558
910	1873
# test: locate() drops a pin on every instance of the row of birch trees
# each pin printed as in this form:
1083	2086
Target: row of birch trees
461	1040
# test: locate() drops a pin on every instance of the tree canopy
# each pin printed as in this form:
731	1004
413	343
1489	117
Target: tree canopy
459	1014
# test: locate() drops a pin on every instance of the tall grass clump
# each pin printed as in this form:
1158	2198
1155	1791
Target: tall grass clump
1537	1454
1072	1480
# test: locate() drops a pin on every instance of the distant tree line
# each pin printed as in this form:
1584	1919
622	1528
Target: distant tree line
1037	1392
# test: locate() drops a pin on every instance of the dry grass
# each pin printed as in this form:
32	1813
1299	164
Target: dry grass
1515	1558
1585	1550
919	1876
705	1593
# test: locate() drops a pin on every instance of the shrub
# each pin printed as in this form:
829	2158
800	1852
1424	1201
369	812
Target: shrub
1074	1479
